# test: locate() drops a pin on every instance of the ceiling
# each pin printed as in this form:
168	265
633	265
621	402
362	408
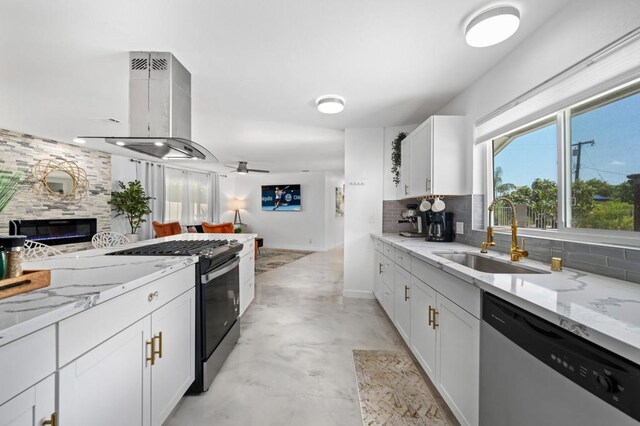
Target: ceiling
257	67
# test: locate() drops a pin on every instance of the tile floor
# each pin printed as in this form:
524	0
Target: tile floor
293	364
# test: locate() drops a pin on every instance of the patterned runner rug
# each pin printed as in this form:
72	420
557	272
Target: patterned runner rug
392	392
269	258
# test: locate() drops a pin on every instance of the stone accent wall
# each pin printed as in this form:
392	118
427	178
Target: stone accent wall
19	151
604	259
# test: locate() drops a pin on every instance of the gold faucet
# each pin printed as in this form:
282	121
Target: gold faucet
516	252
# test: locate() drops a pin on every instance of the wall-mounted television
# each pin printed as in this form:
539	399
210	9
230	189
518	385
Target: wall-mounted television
281	198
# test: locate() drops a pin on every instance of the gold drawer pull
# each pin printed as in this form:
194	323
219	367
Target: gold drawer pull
430	315
159	351
53	421
406	296
152	352
435	323
153	295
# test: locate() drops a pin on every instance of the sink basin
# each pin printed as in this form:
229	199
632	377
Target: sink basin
487	264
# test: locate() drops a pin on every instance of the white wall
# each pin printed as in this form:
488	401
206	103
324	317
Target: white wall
227	192
364	151
575	32
390	134
333	225
303	230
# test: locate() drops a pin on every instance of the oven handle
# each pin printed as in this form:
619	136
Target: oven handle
221	271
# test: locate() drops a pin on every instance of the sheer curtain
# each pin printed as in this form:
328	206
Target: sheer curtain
214	198
152	178
190	197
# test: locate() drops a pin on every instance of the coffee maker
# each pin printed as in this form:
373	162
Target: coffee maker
413	216
440	227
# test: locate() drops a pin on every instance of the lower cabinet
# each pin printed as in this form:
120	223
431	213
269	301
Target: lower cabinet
402	308
458	359
137	376
247	275
34	406
423	330
426	306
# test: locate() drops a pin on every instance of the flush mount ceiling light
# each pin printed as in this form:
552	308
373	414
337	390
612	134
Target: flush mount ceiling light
492	26
330	104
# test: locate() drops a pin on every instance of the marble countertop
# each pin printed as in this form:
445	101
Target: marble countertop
84	279
603	310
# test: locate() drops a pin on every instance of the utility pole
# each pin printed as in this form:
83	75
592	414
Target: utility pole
578	151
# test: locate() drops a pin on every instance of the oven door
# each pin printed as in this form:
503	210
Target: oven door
220	304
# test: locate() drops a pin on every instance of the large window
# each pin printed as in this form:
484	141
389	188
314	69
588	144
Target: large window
525	170
598	183
186	196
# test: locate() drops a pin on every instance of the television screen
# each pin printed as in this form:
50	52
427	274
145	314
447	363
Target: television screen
281	197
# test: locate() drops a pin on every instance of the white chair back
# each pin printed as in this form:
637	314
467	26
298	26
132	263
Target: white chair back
109	239
34	250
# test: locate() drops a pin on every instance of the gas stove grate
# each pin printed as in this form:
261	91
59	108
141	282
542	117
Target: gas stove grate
172	248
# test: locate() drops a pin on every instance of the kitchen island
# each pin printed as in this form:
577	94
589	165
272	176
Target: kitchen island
118	326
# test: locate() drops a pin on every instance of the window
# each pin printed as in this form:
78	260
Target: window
525	170
605	155
187	196
600	174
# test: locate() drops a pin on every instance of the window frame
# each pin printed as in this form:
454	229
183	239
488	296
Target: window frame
563	142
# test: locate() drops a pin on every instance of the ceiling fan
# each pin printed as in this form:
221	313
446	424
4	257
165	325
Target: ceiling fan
242	169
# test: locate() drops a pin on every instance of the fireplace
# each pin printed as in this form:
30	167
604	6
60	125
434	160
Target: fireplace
55	231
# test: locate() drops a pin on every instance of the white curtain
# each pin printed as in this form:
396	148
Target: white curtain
152	178
214	198
190	197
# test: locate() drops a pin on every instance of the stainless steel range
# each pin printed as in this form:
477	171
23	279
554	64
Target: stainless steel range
217	299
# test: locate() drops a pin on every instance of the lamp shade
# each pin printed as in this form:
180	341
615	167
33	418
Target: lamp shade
236	204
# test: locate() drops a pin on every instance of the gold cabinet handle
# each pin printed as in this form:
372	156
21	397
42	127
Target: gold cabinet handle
380	268
152	352
435	322
406	296
159	351
430	316
406	189
53	421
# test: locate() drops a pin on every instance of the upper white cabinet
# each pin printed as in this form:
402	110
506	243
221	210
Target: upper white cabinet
434	159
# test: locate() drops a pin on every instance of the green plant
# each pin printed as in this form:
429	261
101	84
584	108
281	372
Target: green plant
237	230
8	186
396	157
131	202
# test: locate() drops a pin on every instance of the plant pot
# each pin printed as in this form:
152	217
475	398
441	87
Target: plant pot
134	238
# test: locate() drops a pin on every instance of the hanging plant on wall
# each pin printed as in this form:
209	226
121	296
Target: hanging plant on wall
396	147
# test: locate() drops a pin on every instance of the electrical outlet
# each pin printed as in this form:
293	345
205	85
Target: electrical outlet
460	228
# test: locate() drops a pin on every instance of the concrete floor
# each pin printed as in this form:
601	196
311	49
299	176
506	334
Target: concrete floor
293	364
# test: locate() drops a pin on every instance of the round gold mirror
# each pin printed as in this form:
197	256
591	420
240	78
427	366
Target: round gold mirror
60	182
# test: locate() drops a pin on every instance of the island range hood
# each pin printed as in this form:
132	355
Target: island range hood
159	109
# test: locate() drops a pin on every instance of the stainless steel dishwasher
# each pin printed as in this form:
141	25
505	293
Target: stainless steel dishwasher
534	373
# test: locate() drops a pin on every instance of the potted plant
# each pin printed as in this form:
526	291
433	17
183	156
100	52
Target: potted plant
396	157
131	202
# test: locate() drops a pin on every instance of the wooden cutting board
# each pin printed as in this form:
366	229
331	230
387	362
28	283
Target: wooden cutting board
29	280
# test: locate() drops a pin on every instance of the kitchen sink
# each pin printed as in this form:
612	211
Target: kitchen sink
487	264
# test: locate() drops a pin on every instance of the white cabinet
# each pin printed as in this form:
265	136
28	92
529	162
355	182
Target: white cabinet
247	275
434	159
137	376
423	331
34	406
402	308
458	360
173	371
388	273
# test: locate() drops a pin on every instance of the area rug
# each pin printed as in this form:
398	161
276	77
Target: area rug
269	258
392	392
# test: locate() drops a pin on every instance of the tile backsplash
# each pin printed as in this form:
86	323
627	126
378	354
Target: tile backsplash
19	151
616	262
